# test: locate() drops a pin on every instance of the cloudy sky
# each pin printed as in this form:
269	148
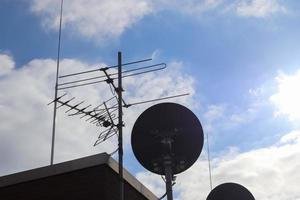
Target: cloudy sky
238	59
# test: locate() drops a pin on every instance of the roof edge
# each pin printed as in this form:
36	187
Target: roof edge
73	165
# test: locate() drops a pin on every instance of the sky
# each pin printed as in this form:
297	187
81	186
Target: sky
238	59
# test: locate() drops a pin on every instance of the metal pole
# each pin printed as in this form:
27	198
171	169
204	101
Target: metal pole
56	85
169	175
209	166
120	125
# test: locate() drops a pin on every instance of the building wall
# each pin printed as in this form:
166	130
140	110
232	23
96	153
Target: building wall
93	183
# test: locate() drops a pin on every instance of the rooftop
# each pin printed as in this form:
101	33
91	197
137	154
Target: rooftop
91	177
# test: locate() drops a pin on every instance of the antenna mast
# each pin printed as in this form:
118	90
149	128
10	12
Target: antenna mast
120	125
56	85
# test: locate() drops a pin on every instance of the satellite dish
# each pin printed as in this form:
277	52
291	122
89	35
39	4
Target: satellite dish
167	134
230	191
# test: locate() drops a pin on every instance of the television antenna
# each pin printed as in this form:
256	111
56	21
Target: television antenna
107	115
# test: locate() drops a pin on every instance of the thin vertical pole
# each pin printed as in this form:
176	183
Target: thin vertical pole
168	175
120	125
208	158
56	85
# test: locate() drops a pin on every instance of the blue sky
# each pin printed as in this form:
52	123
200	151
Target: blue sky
238	58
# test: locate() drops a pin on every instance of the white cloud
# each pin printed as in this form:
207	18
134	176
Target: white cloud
270	173
105	20
156	54
26	120
213	114
154	182
258	8
291	137
224	117
256	92
99	20
193	7
287	97
6	64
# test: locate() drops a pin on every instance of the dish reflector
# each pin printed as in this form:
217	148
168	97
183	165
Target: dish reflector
167	134
230	191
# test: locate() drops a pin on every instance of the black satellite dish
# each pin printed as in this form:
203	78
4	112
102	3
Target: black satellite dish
167	132
230	191
167	139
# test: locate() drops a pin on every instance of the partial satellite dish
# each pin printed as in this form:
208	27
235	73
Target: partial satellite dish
167	134
230	191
